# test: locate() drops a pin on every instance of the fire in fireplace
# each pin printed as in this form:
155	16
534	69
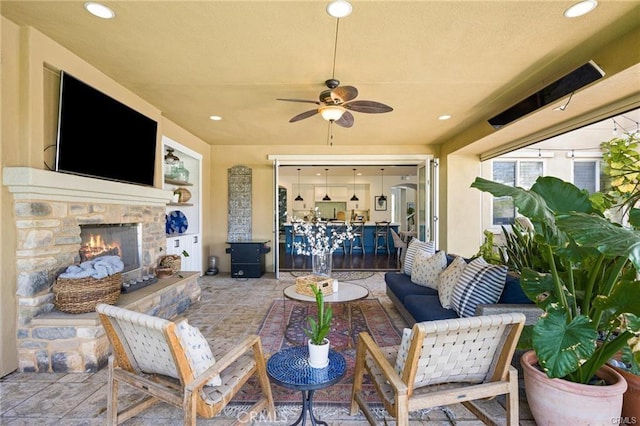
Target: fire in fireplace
112	239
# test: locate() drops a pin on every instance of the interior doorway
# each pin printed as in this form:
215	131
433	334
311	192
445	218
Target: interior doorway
335	175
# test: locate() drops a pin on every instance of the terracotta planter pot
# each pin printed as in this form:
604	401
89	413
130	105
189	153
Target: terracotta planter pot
631	398
560	402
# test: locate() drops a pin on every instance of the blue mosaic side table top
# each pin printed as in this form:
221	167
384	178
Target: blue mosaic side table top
290	368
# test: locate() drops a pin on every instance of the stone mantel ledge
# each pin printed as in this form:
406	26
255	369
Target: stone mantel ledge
27	183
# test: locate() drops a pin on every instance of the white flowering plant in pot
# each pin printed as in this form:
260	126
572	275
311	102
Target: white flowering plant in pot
319	239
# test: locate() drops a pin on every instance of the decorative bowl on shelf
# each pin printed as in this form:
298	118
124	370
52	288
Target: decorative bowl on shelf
184	194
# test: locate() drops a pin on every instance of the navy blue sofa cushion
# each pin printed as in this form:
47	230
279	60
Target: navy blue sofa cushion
402	286
427	308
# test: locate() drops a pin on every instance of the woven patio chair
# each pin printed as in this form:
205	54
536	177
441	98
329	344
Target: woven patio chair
441	363
149	354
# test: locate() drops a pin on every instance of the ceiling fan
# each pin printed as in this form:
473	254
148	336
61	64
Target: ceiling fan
335	102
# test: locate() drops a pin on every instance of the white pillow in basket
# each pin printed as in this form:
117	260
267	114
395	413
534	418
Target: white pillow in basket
197	350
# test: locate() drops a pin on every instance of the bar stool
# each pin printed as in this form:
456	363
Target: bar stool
381	237
339	226
357	243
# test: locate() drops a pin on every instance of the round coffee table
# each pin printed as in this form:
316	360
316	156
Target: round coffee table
346	294
290	368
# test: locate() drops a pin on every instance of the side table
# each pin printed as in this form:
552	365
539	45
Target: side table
289	368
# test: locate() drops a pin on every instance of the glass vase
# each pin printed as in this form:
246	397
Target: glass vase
321	264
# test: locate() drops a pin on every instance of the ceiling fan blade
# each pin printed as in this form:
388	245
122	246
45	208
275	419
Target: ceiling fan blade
299	100
304	115
346	120
369	107
344	93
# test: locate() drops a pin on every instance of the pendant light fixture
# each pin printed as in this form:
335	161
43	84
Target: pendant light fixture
354	198
382	196
299	198
326	187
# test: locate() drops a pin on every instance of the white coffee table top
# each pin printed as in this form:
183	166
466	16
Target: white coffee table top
347	292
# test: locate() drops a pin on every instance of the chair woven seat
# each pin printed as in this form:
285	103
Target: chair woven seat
442	362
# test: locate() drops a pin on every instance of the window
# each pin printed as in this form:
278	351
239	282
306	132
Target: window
514	173
586	175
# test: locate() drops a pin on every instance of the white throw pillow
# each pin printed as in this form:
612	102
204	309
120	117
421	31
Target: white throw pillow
401	358
427	268
416	245
197	350
448	280
480	283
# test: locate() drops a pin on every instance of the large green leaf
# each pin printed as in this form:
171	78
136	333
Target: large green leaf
561	196
625	299
562	346
597	232
634	217
529	203
538	287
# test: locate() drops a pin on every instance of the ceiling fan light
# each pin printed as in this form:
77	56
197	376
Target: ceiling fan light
339	8
332	112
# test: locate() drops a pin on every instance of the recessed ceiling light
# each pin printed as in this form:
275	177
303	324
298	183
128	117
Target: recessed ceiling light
215	118
99	10
339	8
581	8
444	117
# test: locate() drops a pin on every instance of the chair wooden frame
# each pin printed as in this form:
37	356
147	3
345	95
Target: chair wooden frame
480	350
234	363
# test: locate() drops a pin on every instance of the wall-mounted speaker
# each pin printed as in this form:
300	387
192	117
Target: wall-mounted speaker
577	79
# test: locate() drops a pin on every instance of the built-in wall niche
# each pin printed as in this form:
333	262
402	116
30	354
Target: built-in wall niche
122	240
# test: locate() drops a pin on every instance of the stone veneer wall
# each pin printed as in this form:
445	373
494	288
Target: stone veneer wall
48	209
49	241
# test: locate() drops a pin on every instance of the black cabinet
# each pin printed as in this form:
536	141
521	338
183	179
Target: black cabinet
247	258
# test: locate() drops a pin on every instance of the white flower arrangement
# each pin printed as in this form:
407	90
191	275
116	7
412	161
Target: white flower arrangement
317	240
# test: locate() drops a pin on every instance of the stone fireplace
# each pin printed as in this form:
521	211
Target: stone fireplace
55	215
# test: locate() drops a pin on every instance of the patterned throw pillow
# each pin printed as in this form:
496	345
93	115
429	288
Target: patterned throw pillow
427	268
197	350
480	283
448	280
401	358
416	245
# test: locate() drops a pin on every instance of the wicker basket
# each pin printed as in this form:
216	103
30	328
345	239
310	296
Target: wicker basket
173	261
303	285
79	295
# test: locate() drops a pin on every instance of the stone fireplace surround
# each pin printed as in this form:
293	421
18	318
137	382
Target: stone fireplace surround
49	208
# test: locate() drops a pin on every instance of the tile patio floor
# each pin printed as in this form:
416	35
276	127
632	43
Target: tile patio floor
229	309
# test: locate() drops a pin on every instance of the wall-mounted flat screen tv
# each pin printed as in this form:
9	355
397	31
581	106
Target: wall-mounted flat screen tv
102	138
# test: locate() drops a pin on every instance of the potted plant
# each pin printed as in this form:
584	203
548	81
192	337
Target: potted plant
318	330
590	296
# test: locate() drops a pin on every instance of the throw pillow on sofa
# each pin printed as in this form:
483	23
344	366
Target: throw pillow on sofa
448	280
480	283
427	268
416	245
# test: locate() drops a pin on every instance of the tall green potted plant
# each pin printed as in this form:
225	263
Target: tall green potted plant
590	296
318	330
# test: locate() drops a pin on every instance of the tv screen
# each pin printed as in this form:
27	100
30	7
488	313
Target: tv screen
103	138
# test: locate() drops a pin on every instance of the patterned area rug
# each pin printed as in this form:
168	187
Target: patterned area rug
340	275
367	315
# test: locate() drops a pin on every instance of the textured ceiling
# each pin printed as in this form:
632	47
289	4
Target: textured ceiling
192	59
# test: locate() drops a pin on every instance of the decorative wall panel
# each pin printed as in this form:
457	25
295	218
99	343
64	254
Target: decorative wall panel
239	216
